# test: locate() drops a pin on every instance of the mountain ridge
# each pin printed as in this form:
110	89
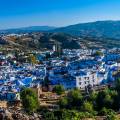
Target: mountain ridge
99	29
28	29
106	29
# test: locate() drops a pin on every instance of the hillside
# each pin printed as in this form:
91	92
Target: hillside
41	40
104	29
99	29
102	34
45	40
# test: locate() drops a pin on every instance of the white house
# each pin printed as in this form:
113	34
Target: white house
85	79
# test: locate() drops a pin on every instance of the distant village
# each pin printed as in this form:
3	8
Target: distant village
84	69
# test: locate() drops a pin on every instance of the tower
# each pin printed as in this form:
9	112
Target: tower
57	48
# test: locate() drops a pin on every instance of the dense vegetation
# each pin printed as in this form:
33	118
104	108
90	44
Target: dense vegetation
59	89
29	100
76	105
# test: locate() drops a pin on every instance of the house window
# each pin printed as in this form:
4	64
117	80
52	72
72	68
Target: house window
79	83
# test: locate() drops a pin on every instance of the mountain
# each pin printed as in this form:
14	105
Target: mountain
46	40
98	29
103	34
28	29
101	29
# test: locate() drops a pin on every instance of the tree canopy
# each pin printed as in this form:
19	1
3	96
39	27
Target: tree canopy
29	100
59	89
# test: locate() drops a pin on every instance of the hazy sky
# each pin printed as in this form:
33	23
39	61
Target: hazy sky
20	13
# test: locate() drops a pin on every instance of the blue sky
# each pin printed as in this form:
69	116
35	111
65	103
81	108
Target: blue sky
20	13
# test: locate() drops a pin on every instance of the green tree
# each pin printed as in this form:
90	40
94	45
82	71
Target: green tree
111	115
108	101
98	53
116	100
66	115
117	85
87	107
93	96
104	111
29	100
75	99
71	115
116	104
59	89
32	59
63	102
49	116
104	99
